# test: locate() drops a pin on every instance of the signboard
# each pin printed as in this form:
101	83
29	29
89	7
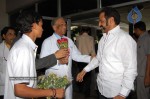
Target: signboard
134	15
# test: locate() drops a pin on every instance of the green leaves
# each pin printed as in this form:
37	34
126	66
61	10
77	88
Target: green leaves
52	81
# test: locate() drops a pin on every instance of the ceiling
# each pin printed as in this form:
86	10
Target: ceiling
91	17
84	12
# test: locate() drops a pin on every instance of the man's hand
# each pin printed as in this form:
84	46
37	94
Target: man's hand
64	60
92	56
60	93
147	81
119	97
61	53
80	76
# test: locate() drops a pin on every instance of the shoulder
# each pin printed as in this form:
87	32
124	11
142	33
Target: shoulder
50	38
91	37
69	39
17	47
125	37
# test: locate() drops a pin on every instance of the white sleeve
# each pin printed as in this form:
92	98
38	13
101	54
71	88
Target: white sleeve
76	54
94	62
21	61
129	58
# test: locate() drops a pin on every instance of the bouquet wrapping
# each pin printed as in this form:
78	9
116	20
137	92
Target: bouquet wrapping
52	81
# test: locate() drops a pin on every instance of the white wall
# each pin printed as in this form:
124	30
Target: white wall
3	15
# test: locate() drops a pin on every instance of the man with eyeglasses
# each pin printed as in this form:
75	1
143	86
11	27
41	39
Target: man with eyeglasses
50	45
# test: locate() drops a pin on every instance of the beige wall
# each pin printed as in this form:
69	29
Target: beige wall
3	15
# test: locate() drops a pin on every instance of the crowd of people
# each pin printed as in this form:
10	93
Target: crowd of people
123	63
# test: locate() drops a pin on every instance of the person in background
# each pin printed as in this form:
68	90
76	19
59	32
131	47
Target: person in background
116	58
143	60
50	45
8	34
85	44
21	61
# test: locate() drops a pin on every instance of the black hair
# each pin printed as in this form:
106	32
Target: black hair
111	12
26	19
140	25
85	29
5	30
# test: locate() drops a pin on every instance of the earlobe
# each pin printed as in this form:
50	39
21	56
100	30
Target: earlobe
34	26
3	36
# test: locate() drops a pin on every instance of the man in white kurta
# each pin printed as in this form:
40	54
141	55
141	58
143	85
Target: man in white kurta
50	46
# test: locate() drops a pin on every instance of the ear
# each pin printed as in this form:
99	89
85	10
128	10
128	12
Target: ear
111	20
3	36
54	27
34	25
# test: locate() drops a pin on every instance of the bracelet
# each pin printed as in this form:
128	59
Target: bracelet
54	93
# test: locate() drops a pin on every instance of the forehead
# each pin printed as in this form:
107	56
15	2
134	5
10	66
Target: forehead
102	15
11	31
61	20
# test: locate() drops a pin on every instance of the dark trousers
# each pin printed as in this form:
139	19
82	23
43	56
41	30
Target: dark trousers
103	97
1	97
84	87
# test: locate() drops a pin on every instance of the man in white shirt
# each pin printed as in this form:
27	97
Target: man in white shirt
116	58
50	45
21	75
8	34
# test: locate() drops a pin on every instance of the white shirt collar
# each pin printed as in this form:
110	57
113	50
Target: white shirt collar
57	36
32	44
114	31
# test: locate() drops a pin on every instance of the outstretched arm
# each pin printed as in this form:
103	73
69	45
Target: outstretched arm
51	60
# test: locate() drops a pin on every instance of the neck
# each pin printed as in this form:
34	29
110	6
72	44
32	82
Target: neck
142	32
111	27
32	36
60	35
8	45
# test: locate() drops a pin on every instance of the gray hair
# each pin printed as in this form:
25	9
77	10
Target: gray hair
55	19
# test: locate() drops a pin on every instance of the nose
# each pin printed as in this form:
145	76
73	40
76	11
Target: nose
99	24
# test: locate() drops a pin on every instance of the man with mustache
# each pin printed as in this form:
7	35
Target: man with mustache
116	58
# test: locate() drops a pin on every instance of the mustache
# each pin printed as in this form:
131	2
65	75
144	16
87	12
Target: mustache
102	28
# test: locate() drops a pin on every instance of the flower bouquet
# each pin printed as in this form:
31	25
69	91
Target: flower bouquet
62	43
52	81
